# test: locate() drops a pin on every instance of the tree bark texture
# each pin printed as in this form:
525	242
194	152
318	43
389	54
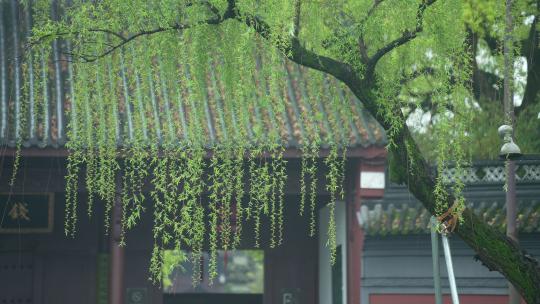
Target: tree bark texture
496	251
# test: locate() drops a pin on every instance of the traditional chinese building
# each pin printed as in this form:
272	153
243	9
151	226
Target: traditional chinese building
396	252
39	264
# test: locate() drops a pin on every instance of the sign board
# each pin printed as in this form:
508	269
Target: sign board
290	296
27	213
371	180
136	296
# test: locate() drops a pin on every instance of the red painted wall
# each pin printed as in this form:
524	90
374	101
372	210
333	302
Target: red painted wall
429	299
355	234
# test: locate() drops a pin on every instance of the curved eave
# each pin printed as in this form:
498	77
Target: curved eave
372	152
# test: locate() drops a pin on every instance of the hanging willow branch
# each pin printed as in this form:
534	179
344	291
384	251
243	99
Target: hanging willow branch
405	37
194	47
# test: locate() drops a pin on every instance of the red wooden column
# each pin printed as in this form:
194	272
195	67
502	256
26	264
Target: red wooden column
116	279
369	183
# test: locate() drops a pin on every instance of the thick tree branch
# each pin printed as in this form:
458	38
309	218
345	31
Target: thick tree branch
362	48
531	51
407	36
493	248
295	51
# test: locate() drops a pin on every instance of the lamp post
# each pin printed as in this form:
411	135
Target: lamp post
509	151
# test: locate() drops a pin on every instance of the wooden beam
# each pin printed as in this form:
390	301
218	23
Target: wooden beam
117	261
371	152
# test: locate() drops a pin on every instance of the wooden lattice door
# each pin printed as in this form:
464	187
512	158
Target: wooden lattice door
16	278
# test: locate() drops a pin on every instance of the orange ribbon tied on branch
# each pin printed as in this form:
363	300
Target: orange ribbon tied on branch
449	219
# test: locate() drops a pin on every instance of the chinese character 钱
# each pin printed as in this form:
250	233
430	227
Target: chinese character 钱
19	211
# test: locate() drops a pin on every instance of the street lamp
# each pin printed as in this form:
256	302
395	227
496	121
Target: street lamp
509	149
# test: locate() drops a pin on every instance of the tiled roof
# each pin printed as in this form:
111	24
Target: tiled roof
404	219
400	213
47	125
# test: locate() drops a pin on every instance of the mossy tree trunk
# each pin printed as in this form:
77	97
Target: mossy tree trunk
493	249
496	251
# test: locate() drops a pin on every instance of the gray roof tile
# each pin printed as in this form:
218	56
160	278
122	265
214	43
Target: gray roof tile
163	118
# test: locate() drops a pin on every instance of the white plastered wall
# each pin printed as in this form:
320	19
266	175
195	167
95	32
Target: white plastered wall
325	270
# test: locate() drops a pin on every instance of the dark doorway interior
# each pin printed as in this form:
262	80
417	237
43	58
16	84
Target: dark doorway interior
206	298
16	277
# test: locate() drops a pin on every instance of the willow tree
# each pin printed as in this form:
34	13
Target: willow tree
372	47
483	22
484	19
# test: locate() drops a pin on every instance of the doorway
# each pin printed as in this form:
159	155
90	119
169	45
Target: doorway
199	298
239	278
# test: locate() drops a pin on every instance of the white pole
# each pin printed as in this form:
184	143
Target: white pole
450	269
435	257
